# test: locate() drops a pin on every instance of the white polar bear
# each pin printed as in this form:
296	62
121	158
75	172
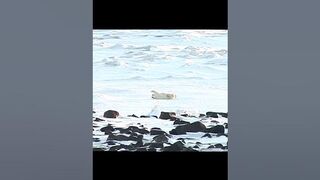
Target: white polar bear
157	95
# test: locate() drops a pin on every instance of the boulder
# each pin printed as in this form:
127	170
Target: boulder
136	129
192	127
180	122
212	114
201	115
216	129
111	114
207	135
156	145
167	115
177	146
98	120
157	131
108	129
161	138
133	115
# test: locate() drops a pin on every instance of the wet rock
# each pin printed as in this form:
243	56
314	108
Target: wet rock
98	120
96	140
225	125
107	130
125	131
122	146
121	138
111	114
216	129
207	135
156	131
98	149
177	132
133	115
177	146
201	115
156	145
136	129
182	140
212	114
218	145
192	127
224	115
167	115
180	122
161	138
111	143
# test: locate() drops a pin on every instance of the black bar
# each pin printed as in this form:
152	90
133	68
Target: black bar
160	14
139	165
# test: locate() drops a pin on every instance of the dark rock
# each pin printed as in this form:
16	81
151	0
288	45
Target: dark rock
96	140
154	116
161	138
98	149
125	131
201	115
211	146
214	121
196	146
167	115
122	146
95	126
156	145
93	112
212	114
192	127
133	115
115	148
111	114
218	145
207	135
143	116
184	115
136	129
198	143
226	125
180	122
177	146
216	129
224	115
182	140
224	147
177	132
111	143
174	119
107	130
98	120
120	138
156	132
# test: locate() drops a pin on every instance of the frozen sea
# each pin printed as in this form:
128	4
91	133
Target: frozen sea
128	64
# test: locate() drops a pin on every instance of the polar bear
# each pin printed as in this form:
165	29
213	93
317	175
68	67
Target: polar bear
157	95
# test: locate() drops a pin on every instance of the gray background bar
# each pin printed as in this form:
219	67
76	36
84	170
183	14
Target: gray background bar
274	61
45	93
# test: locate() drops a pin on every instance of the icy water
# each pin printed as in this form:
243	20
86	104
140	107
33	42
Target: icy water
128	64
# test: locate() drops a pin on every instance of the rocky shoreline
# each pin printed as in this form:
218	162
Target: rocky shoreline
168	132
